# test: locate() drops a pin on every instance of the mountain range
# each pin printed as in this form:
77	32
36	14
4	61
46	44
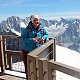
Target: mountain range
66	31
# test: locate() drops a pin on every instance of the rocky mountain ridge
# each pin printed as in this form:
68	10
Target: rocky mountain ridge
66	31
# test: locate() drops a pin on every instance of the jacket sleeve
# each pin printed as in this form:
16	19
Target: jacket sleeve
45	36
24	36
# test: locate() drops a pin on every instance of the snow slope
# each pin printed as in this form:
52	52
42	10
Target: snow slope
69	57
22	25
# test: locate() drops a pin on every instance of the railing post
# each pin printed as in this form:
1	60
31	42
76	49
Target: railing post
2	54
54	50
31	68
45	69
40	69
9	61
54	57
51	72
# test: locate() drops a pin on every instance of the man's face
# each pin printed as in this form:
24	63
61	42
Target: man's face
36	22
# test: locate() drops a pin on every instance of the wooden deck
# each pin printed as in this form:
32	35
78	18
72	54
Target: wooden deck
10	77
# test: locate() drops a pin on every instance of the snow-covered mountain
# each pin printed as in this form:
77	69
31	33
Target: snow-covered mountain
14	24
66	31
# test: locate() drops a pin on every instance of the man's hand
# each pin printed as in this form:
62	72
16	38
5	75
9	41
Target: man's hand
38	40
35	40
41	40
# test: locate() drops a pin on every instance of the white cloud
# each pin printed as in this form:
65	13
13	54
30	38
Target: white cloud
31	3
14	3
56	15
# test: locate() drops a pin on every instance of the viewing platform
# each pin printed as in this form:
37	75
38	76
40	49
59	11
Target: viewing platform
41	62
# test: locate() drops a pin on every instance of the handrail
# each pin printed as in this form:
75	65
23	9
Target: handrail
10	36
3	51
37	65
65	68
38	50
47	66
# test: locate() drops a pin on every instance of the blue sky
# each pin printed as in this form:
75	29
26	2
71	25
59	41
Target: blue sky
48	9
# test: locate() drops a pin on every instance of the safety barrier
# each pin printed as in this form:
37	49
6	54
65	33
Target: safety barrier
41	62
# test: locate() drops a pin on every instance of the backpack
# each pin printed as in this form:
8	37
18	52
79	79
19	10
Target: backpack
29	28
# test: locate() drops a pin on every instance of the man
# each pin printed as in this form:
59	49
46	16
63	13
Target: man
33	36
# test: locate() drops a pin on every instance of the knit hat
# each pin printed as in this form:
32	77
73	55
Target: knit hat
33	17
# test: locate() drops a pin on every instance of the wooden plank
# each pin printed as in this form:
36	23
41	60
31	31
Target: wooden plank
16	53
45	53
40	69
2	55
11	36
37	68
10	77
9	61
31	67
75	72
51	52
45	69
38	50
50	70
54	50
0	59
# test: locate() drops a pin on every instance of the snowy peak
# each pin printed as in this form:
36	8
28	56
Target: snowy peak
67	31
12	25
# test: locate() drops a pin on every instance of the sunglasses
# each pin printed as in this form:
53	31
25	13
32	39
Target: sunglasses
35	20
